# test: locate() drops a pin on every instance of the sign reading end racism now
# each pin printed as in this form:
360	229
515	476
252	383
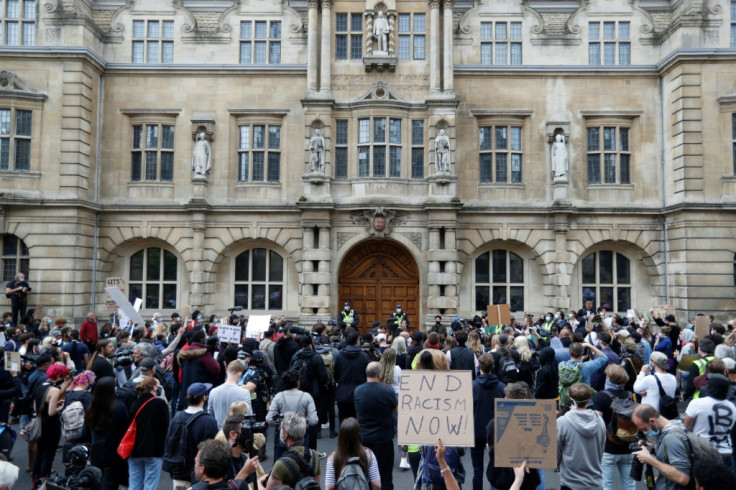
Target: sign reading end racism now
436	405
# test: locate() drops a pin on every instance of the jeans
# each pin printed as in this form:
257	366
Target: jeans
622	462
384	452
477	454
144	473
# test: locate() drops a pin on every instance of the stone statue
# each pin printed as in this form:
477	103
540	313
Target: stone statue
380	32
201	156
559	158
442	152
317	152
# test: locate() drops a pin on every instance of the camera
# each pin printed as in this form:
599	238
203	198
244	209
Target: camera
249	428
124	357
637	467
78	474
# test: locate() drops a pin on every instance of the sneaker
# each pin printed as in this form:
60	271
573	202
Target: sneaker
404	464
322	455
326	425
333	434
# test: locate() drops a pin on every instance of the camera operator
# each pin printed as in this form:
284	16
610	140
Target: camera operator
211	465
672	449
18	290
101	364
238	440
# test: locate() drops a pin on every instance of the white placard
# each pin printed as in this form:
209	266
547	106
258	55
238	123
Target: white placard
137	304
257	324
631	313
125	305
229	333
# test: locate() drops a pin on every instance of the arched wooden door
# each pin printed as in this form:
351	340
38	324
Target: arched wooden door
375	276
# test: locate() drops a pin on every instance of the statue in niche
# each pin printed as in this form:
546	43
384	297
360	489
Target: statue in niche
380	32
559	158
201	156
442	152
317	152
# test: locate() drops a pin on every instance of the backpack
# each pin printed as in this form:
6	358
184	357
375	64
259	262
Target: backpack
7	440
667	404
301	365
507	370
568	375
329	361
176	452
352	476
302	470
621	430
126	394
701	449
72	421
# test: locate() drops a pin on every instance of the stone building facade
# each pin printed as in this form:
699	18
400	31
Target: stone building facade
588	151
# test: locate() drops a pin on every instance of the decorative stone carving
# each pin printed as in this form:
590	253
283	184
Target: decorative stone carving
381	31
378	221
11	85
201	156
559	158
342	238
415	238
442	152
317	153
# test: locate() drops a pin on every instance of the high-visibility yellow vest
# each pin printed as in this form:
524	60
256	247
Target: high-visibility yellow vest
701	363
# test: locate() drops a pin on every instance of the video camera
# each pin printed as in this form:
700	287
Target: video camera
249	429
78	474
124	357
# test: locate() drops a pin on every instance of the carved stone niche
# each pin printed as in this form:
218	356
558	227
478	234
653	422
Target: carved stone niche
551	128
203	122
380	60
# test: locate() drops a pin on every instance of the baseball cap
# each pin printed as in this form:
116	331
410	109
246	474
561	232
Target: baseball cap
147	365
199	389
259	355
398	306
55	333
660	360
380	337
347	303
332	321
376	324
730	364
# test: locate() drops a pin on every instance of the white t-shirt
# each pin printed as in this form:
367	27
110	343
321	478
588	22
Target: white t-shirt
647	383
713	420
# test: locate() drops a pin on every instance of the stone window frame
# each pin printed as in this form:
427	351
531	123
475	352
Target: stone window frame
623	157
342	149
23	18
491	44
163	42
733	140
392	147
267	282
492	284
417	157
733	24
20	102
161	282
257	117
12	138
615	284
598	42
412	36
493	152
14	261
511	117
144	117
249	41
353	38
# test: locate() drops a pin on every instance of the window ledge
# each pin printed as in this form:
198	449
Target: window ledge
613	187
245	185
20	174
149	183
729	178
503	185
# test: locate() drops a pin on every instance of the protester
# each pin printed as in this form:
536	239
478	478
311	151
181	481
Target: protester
151	415
486	389
221	397
48	397
291	399
349	373
646	382
349	449
292	430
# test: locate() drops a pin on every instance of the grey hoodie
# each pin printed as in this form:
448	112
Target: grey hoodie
581	436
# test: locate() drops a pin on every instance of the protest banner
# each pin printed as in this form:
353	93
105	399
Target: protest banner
112	282
664	310
436	405
229	333
499	314
12	361
702	326
525	430
257	324
125	305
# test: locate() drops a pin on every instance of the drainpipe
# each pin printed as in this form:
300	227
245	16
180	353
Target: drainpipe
664	192
98	136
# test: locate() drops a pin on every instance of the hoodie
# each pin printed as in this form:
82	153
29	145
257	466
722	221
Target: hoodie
349	372
547	377
283	352
317	373
197	366
581	437
486	388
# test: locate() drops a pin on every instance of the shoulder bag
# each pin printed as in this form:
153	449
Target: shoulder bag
126	444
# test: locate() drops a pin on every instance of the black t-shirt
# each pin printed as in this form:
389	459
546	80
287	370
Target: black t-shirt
602	403
374	403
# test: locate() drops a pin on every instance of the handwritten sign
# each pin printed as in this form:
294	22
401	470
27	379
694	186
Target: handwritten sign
436	405
229	333
525	430
499	315
702	326
12	361
125	305
664	310
112	282
257	325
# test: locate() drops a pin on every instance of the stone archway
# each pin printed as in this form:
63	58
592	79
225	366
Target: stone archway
377	275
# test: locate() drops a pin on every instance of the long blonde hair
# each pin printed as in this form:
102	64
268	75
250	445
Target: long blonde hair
399	345
474	343
388	361
522	347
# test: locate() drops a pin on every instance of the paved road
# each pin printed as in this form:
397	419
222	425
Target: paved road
402	478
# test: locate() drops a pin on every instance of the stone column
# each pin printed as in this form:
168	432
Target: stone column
312	47
434	46
447	62
326	55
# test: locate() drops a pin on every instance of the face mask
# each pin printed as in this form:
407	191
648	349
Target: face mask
557	317
549	318
651	432
199	318
398	310
50	321
570	315
347	308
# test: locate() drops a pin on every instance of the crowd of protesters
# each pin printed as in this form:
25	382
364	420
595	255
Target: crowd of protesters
203	410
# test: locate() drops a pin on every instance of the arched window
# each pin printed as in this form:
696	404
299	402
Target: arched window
15	257
152	277
607	280
259	280
499	279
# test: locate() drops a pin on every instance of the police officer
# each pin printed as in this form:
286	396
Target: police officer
348	317
259	373
396	318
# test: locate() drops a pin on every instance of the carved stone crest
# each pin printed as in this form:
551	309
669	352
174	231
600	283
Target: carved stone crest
378	221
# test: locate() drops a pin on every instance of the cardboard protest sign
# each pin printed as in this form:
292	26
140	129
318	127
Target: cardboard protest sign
687	361
12	361
111	282
499	315
257	324
702	326
229	333
525	430
123	303
664	310
436	405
